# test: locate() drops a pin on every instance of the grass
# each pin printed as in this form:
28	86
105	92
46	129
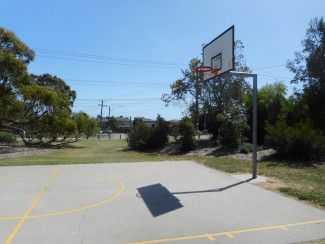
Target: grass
84	152
307	184
311	196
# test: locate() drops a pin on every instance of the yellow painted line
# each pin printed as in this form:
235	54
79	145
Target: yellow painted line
210	237
182	238
284	228
73	210
32	206
229	233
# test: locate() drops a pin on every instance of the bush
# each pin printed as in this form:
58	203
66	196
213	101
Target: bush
174	130
187	132
7	137
246	148
143	137
159	134
232	127
300	141
139	137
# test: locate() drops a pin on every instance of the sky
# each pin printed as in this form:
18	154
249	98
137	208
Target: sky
127	53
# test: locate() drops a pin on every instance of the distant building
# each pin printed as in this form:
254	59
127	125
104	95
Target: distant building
123	123
174	121
148	122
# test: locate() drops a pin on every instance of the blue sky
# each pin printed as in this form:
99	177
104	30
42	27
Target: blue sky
128	52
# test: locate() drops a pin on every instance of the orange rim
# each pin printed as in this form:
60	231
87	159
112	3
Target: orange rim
205	69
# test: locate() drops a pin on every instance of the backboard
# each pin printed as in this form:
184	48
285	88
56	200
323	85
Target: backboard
219	53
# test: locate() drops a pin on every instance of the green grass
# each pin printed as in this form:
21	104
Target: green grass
310	196
84	152
306	184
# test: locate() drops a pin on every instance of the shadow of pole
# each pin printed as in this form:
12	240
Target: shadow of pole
160	201
214	190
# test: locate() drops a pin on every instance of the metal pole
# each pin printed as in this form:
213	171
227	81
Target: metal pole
254	157
254	166
196	107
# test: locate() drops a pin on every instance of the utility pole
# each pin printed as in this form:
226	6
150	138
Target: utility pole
101	115
109	122
109	114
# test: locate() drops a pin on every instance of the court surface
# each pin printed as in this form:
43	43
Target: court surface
151	202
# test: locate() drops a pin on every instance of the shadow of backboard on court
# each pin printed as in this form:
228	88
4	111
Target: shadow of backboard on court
158	199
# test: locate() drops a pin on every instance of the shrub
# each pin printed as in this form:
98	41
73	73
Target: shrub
232	127
186	131
278	136
139	136
301	141
174	130
159	134
246	148
143	137
7	137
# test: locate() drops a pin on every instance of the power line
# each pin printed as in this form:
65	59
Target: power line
270	67
143	110
120	60
126	99
111	62
116	82
102	57
139	92
275	76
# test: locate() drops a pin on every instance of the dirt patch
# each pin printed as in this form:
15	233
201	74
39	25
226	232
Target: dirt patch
218	151
271	184
261	155
267	183
12	151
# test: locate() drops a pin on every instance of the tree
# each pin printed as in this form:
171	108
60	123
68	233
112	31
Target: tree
37	107
272	106
187	132
188	87
47	80
112	123
233	124
309	69
137	120
226	92
45	115
14	57
159	136
215	96
174	130
86	126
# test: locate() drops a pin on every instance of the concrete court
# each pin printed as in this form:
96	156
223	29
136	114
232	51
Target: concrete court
152	202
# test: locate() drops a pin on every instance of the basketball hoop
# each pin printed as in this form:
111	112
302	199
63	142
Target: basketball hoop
207	69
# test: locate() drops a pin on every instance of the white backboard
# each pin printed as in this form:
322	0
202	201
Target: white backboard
219	53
